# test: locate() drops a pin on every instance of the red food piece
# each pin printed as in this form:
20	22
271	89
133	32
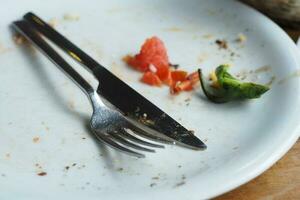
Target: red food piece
185	85
152	52
168	81
193	77
178	75
151	78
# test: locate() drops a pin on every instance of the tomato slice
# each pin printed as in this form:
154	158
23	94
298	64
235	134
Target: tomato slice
178	75
153	52
185	85
193	77
151	78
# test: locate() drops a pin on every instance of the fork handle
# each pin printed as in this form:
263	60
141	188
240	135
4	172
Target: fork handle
27	30
65	44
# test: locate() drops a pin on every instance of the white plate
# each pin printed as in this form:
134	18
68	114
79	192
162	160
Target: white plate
37	100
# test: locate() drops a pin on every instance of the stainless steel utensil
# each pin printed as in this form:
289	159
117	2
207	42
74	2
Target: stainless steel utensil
108	124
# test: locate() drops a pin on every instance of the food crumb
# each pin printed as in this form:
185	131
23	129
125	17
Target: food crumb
83	138
7	155
120	169
175	66
67	167
71	17
241	38
53	22
187	99
179	166
222	44
36	139
180	184
208	36
42	174
19	39
74	164
152	184
155	178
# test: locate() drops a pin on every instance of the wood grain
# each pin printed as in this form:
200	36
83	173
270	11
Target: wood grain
280	182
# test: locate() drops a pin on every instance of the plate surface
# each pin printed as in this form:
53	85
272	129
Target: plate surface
44	116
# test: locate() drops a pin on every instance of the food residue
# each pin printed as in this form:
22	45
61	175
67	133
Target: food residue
241	38
173	29
263	69
42	174
222	44
153	61
120	169
290	76
230	88
180	184
36	139
152	184
71	17
19	39
53	22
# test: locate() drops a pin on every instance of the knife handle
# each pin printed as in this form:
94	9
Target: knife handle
62	42
29	33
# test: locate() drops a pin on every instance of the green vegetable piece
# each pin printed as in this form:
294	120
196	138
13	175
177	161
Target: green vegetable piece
231	88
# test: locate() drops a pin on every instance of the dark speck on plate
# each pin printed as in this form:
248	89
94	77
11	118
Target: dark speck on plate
42	174
222	44
180	184
152	184
120	169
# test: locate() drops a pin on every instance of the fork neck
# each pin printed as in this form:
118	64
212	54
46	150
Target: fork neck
95	100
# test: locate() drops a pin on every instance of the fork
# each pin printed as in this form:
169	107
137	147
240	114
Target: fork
108	125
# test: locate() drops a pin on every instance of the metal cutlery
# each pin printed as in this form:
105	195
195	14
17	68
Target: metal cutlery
117	126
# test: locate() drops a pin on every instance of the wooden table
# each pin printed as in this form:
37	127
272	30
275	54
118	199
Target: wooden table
280	182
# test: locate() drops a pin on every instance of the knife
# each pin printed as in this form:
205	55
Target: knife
119	94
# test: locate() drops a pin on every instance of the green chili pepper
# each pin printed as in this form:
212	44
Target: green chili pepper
231	88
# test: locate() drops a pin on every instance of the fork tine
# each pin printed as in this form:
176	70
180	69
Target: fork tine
144	134
108	141
129	136
129	144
